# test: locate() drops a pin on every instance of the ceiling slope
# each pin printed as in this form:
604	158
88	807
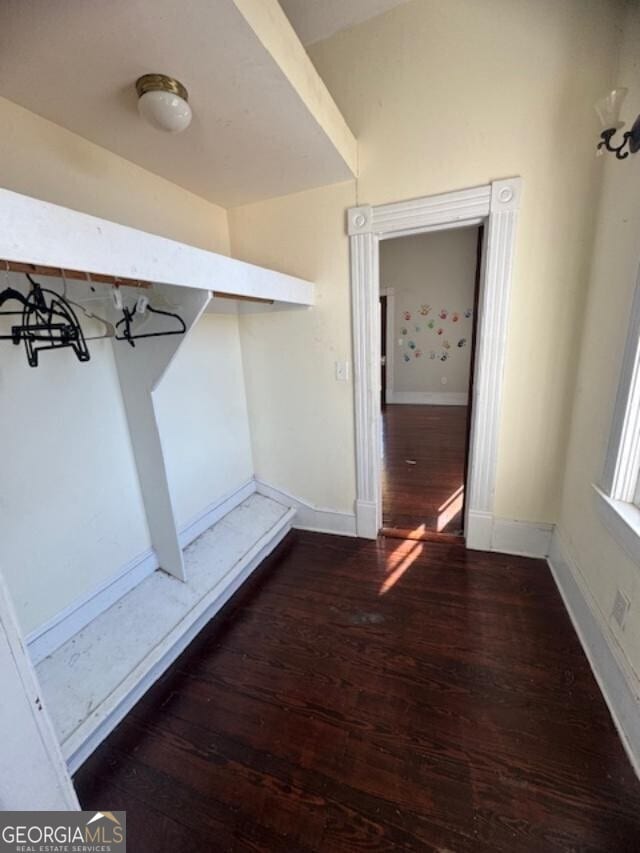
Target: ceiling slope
264	123
314	20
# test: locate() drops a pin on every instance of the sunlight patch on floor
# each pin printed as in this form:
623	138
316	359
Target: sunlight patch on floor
450	508
397	566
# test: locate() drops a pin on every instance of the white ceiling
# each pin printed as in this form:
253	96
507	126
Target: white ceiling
75	62
314	20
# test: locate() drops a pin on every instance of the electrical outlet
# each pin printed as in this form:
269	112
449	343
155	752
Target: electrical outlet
620	608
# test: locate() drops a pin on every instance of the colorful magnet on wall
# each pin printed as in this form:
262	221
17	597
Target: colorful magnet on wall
412	344
403	331
406	356
468	313
418	353
431	324
443	314
455	317
444	356
424	310
440	330
407	315
462	342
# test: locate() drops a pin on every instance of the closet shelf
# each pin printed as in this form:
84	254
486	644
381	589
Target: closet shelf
96	677
38	233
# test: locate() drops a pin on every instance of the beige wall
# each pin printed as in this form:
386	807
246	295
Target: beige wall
43	160
602	565
301	418
444	94
435	273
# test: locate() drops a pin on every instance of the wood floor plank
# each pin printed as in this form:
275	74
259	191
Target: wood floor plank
327	710
423	468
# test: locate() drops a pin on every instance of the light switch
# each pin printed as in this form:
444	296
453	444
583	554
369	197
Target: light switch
342	371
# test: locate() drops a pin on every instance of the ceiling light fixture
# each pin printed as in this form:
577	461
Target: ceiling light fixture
608	109
163	102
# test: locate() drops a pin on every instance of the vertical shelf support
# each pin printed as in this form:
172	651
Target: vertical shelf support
140	371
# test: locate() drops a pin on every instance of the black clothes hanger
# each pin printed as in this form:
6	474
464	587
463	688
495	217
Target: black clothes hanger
10	294
128	315
48	325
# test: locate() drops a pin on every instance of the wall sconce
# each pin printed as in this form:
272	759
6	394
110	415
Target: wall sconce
163	102
608	110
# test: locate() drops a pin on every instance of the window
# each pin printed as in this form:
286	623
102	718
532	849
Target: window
619	492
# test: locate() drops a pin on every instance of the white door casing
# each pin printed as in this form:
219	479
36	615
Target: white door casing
496	206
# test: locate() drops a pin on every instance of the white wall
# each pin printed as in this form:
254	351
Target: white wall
71	514
70	507
602	565
446	94
433	280
202	414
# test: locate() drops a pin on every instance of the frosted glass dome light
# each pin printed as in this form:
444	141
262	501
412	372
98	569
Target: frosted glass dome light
163	102
608	108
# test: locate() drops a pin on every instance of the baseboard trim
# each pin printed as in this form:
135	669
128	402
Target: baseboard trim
308	516
214	512
87	738
428	398
523	538
48	637
614	680
507	536
478	530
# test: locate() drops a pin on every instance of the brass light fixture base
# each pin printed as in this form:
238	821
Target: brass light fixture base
161	83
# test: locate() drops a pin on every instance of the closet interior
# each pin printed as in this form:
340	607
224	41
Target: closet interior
130	447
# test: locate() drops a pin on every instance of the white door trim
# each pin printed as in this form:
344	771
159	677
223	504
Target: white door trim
496	205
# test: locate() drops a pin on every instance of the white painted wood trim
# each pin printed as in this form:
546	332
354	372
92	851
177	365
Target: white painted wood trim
525	538
508	536
622	520
308	516
622	463
215	511
429	212
38	232
364	252
497	206
495	292
55	633
140	371
87	737
618	684
429	398
33	774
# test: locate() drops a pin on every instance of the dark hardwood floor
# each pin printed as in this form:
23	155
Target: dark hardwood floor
423	468
375	697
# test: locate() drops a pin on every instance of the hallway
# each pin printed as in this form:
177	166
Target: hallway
376	696
423	467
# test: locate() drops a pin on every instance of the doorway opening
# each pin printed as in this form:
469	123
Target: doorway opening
429	291
494	206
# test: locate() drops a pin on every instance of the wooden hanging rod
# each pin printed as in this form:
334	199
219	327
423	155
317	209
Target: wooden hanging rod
220	295
56	272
